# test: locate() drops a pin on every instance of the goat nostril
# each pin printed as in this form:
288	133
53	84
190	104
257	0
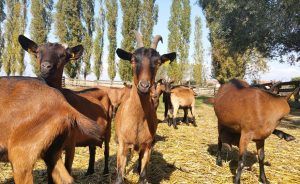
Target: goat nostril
144	84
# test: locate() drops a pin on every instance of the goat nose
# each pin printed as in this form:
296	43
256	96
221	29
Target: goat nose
46	65
145	84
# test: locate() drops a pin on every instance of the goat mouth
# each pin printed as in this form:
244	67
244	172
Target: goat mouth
142	90
46	74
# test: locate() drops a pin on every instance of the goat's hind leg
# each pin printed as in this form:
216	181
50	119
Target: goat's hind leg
185	117
244	141
219	151
192	109
92	151
261	157
22	169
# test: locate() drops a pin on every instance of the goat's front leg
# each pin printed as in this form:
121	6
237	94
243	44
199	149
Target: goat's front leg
121	162
144	158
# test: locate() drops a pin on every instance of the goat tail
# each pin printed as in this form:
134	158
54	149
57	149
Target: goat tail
283	135
292	93
87	126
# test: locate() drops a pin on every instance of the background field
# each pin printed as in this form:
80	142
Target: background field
187	155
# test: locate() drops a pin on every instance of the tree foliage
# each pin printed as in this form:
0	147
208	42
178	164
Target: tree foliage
69	29
239	33
131	17
40	25
111	17
266	28
99	41
179	37
149	16
2	17
89	28
198	72
13	54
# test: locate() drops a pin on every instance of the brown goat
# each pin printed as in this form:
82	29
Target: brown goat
93	103
247	114
116	95
36	127
136	120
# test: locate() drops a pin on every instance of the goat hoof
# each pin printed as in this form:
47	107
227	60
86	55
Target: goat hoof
194	124
143	181
89	172
219	163
175	127
264	181
105	172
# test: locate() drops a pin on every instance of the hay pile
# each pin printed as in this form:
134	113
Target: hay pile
187	155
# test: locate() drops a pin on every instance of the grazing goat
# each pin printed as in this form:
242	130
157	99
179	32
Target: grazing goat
136	120
35	122
93	103
247	114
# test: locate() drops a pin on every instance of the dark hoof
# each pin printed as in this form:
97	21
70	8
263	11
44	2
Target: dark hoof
194	124
289	138
219	163
175	126
264	181
143	181
105	172
89	172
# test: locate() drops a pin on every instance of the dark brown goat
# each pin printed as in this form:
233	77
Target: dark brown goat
93	103
136	120
34	127
247	114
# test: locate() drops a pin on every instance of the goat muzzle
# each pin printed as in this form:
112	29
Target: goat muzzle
144	86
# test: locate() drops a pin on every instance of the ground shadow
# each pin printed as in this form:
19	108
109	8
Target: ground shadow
292	121
232	157
159	138
158	170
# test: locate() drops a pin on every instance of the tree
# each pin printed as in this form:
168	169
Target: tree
131	17
179	37
13	54
88	17
270	27
2	17
198	73
237	47
40	25
69	29
149	15
111	17
99	42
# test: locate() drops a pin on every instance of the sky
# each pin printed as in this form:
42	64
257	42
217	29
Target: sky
277	71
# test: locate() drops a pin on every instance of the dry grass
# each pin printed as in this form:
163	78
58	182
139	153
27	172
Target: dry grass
187	155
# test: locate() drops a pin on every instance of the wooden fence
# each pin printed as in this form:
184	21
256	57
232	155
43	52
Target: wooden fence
282	88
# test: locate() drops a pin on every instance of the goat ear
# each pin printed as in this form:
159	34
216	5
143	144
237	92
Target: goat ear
28	45
166	57
124	54
75	52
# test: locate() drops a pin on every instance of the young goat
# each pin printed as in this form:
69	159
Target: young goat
35	122
93	103
175	98
136	120
247	114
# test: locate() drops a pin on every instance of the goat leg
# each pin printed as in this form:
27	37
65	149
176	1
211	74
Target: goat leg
91	170
283	135
261	157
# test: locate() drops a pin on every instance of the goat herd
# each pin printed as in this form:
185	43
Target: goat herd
40	119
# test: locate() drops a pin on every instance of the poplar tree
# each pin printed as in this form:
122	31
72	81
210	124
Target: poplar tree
69	30
89	28
111	17
13	54
40	25
2	17
131	14
149	16
198	73
99	41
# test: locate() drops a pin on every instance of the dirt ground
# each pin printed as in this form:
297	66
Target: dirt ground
188	155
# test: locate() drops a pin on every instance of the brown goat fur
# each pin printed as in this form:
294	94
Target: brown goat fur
136	120
247	114
36	127
94	103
